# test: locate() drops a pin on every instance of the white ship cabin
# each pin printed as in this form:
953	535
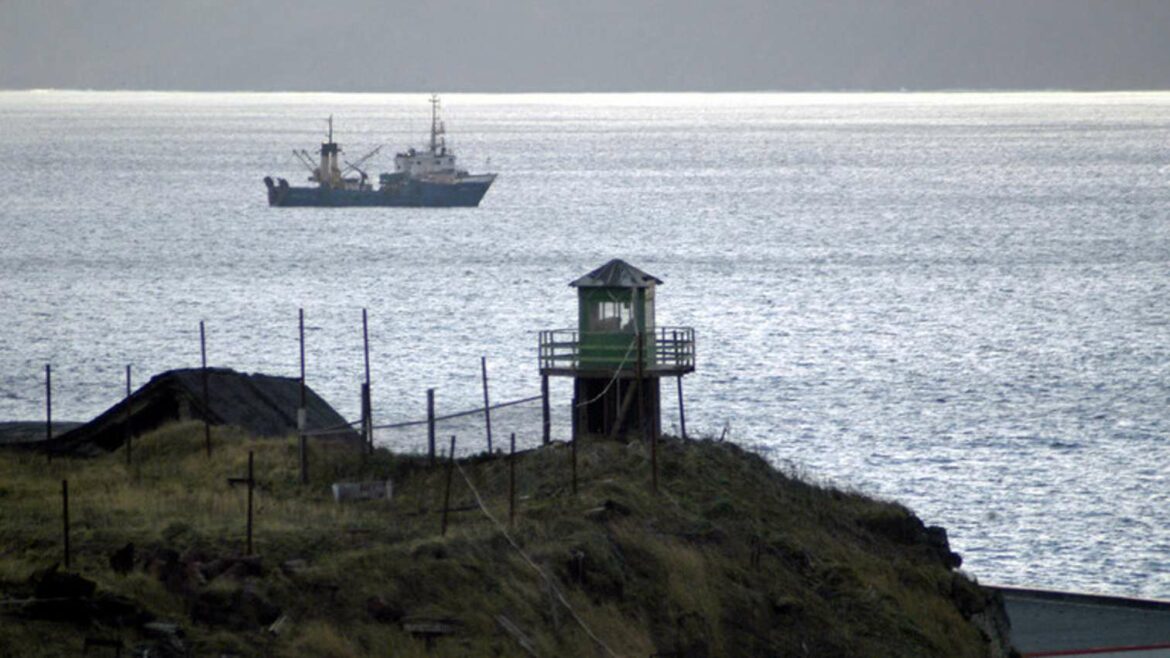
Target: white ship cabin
418	163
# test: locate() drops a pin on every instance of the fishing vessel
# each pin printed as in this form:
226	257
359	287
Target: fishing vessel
421	177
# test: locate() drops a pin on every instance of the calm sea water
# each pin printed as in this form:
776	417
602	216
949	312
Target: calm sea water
959	301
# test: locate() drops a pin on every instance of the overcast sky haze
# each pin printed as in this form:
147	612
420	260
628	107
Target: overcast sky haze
592	45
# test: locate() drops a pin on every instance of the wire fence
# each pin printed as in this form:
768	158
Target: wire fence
523	416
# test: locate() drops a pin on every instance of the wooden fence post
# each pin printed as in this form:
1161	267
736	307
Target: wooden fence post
48	411
206	394
431	424
301	413
129	420
512	482
251	482
367	424
487	407
65	517
447	493
251	486
544	409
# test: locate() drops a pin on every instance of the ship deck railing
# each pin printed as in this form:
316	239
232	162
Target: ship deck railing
666	351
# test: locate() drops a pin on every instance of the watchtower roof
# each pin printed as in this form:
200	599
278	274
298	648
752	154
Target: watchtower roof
617	273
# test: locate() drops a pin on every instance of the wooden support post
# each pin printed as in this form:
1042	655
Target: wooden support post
129	420
301	414
574	417
251	482
544	410
624	409
447	492
65	517
431	425
512	482
206	394
369	408
573	443
682	410
487	407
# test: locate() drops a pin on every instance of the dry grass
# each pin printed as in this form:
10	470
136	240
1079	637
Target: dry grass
666	572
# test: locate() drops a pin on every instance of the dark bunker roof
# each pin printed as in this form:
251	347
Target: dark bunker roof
617	273
263	405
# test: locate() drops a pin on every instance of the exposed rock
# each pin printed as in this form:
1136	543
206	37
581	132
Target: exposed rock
53	584
164	565
63	596
384	611
122	560
235	568
908	530
985	608
936	538
241	609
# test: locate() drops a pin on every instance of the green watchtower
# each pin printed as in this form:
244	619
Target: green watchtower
616	344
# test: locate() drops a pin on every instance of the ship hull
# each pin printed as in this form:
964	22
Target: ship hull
410	194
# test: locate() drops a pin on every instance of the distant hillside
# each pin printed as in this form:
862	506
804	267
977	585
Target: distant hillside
729	558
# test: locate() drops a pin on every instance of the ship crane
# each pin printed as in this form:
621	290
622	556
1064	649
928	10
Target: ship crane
356	166
305	159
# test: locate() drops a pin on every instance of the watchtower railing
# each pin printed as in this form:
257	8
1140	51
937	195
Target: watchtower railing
666	350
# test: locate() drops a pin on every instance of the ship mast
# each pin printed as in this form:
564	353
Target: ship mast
329	173
437	129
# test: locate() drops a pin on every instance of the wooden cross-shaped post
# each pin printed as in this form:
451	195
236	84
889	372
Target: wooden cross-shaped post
251	482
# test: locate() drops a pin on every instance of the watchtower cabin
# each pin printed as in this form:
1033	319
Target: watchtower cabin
615	345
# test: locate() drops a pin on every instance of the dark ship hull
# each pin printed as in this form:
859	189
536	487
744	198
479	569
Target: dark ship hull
405	193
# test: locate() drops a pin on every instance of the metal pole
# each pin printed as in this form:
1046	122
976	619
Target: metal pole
129	420
65	516
447	494
206	395
544	409
431	424
369	412
512	482
487	408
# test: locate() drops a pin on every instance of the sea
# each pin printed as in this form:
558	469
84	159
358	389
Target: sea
957	301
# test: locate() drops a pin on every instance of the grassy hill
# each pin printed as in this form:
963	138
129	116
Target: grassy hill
729	558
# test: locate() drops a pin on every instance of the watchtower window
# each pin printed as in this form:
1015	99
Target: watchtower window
611	316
